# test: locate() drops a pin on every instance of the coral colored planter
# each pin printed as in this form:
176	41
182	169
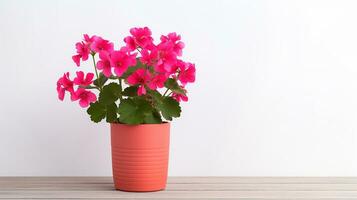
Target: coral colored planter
140	156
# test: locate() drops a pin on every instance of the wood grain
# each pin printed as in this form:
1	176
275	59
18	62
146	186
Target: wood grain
261	188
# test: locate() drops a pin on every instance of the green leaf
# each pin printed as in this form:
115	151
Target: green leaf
111	115
100	81
174	86
155	95
96	111
133	111
153	117
130	91
169	108
132	69
109	94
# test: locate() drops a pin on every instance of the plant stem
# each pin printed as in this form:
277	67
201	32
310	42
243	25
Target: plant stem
95	66
121	89
165	92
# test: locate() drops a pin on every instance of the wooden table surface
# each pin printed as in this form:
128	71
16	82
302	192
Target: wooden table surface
258	188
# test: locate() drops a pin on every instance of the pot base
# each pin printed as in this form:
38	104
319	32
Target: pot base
130	189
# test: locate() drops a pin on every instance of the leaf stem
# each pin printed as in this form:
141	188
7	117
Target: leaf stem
95	66
90	87
121	89
165	92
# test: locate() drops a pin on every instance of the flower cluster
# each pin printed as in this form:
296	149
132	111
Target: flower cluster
133	75
85	97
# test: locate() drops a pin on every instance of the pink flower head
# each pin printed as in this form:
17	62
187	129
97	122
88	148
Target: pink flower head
149	57
141	77
121	60
104	63
140	37
166	62
173	40
88	40
99	44
80	80
85	97
179	97
157	81
82	53
64	84
83	49
187	73
167	58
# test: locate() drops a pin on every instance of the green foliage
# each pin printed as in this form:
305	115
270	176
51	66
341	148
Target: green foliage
130	91
174	86
134	110
111	113
169	108
153	117
100	81
98	112
110	93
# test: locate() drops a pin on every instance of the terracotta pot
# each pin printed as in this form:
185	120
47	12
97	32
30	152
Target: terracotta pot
140	156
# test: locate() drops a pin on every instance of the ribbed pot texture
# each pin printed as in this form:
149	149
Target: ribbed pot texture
140	156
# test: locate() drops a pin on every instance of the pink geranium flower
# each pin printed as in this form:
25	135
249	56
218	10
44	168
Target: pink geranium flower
149	57
83	49
140	37
157	81
121	60
167	58
80	80
173	40
187	73
85	97
179	97
82	53
99	44
88	40
140	77
104	63
64	84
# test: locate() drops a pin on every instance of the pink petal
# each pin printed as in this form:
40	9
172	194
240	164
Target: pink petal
61	94
79	79
89	78
107	71
83	103
77	59
152	86
133	79
100	65
141	90
120	70
91	97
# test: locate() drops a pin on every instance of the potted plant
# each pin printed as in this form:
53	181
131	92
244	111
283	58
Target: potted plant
137	89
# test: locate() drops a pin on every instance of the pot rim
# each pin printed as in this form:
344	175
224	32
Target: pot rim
136	125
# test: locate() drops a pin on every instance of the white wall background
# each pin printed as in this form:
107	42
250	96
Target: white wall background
276	90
